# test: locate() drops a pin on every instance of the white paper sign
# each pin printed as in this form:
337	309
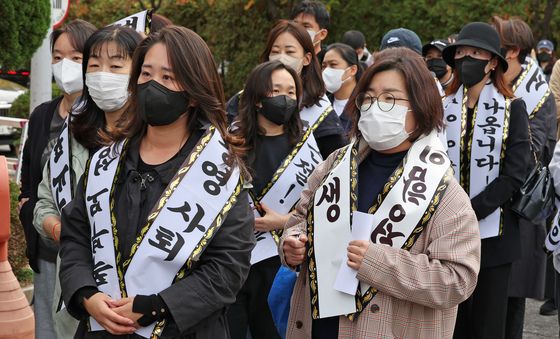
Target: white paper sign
346	280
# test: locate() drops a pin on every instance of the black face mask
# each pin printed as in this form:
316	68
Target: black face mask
543	57
278	109
438	66
470	70
158	105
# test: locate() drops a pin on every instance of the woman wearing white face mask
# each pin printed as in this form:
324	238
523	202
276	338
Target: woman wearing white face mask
45	123
289	43
341	73
71	150
107	61
418	256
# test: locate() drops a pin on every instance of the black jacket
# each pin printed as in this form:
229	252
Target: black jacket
31	175
196	303
507	247
543	130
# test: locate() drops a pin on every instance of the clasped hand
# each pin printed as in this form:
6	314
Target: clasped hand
116	316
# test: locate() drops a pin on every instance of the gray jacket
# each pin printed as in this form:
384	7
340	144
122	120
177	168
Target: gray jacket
64	325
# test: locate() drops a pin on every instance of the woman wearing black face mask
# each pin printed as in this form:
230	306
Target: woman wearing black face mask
546	57
275	146
432	54
488	143
158	239
290	43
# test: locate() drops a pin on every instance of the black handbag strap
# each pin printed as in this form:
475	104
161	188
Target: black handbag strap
532	146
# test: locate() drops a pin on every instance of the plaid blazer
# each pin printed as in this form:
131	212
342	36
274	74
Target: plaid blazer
418	291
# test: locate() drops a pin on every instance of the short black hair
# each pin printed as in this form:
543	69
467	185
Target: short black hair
78	32
315	8
354	39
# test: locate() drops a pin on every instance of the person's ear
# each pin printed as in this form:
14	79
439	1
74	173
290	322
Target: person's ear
307	59
512	53
353	70
491	65
322	34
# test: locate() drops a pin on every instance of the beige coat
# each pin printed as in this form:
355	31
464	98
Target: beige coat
554	85
418	290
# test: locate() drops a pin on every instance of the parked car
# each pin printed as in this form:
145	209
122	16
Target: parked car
9	92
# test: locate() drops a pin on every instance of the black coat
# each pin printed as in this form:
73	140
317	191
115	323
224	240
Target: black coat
528	273
31	175
198	302
506	248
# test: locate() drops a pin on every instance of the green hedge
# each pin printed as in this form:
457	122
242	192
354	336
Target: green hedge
24	26
20	106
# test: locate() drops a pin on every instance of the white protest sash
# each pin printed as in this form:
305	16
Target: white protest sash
330	208
400	213
60	167
552	240
140	22
485	145
283	192
531	86
310	115
101	175
183	222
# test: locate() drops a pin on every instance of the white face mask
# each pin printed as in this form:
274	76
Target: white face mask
109	91
312	34
332	77
295	63
383	130
68	76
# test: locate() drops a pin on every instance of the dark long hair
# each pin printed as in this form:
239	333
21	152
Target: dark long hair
88	125
349	55
258	87
423	94
313	86
195	71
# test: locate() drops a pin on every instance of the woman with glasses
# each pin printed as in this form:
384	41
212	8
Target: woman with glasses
418	253
488	144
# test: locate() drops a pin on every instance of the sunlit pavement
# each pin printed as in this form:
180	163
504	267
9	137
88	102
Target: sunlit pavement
536	325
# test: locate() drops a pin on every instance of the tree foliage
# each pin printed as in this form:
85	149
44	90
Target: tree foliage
25	24
236	30
102	12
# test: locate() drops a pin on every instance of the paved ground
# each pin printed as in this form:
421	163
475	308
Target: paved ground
538	326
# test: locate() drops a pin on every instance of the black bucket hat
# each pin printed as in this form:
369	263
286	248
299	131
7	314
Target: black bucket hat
476	34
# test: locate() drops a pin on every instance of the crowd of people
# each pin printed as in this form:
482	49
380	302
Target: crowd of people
343	192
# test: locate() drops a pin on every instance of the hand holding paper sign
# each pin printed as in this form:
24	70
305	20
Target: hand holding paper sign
356	252
346	280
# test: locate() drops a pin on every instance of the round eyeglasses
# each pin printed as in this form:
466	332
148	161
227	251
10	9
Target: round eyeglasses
385	101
